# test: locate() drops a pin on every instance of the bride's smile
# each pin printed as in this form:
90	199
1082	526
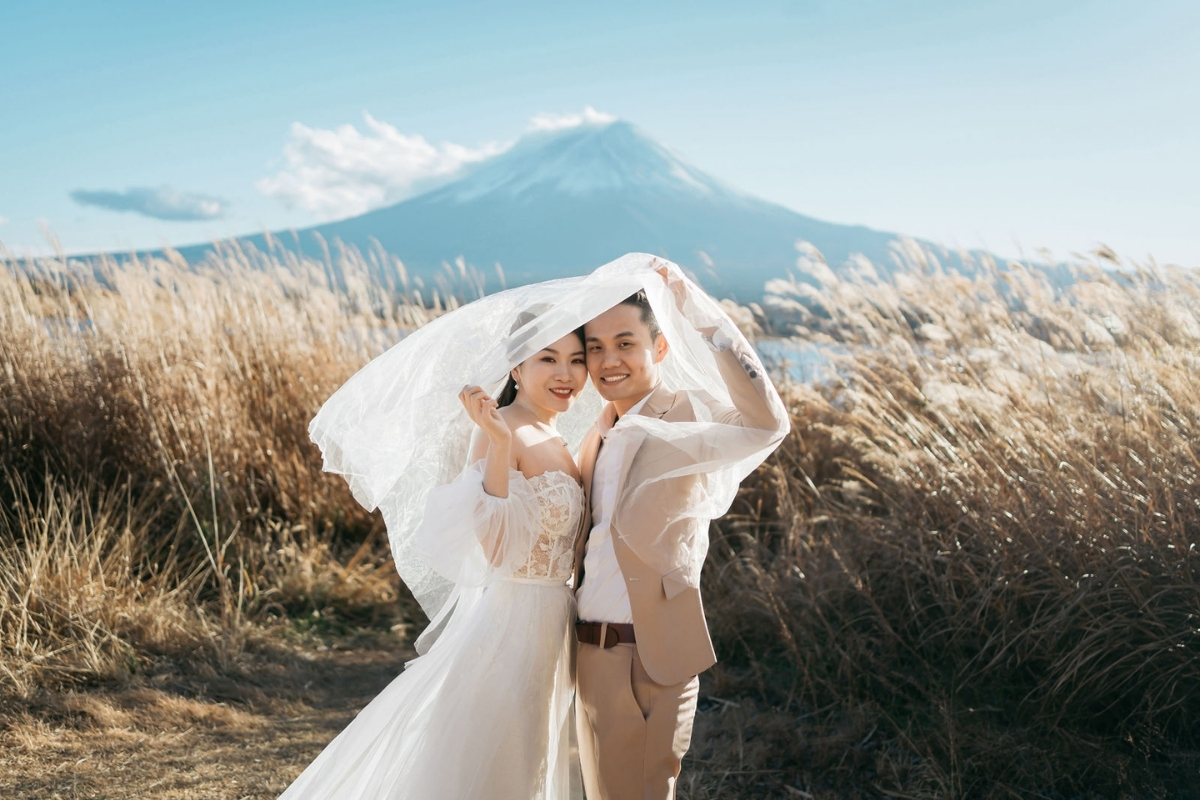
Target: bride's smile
550	380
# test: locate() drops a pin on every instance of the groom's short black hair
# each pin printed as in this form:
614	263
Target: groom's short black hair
642	303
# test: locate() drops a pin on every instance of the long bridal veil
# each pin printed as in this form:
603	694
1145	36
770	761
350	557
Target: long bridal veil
395	430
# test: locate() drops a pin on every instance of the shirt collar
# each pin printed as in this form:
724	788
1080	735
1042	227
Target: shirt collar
609	418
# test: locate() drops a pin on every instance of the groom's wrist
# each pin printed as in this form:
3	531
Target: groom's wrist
717	340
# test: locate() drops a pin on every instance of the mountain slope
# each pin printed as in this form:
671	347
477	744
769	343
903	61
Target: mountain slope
565	202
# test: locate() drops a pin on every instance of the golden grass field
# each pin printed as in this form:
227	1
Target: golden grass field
970	571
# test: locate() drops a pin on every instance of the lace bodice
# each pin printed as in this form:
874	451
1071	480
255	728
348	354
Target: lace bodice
560	500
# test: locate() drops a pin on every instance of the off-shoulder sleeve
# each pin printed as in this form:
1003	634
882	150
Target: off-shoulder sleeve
471	537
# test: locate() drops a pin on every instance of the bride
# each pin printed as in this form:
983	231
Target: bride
484	712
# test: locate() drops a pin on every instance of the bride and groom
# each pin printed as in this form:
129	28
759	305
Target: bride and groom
553	583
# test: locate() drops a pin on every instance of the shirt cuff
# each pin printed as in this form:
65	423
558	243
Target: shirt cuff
719	341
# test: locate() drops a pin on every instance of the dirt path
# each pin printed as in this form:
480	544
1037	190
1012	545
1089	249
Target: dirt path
189	733
195	736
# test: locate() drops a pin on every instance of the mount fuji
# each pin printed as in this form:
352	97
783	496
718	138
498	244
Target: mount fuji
563	202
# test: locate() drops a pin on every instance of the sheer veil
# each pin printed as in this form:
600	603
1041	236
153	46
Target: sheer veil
396	429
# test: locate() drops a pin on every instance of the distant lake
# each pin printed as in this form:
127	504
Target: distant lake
798	360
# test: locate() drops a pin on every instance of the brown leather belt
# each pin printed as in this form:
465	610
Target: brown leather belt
614	633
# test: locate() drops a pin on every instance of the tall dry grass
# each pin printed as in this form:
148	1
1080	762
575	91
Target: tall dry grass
157	485
972	570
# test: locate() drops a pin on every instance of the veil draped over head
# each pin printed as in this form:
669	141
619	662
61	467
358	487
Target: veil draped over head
396	429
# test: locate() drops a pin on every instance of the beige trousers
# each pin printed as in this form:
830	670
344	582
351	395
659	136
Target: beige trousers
633	732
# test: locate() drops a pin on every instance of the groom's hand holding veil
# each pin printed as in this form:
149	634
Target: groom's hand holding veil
678	291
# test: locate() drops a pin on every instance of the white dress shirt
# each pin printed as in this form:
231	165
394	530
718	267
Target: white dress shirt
603	596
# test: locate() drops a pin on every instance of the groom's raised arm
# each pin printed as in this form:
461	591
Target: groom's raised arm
756	403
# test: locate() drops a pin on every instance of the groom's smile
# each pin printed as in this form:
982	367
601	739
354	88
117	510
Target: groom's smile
623	355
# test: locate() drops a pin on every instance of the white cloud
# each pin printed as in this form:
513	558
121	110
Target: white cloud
555	122
162	202
3	220
343	172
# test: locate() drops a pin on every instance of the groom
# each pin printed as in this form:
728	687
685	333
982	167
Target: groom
643	639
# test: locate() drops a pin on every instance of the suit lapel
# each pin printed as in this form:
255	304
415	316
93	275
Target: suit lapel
659	402
588	451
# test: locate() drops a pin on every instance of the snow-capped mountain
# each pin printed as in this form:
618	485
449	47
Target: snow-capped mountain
561	203
590	159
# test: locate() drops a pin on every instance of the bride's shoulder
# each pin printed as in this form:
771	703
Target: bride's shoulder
513	415
519	421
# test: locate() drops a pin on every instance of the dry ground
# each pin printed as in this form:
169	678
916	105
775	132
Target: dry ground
179	737
188	732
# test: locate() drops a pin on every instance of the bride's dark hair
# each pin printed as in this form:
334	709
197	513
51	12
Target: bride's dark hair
509	393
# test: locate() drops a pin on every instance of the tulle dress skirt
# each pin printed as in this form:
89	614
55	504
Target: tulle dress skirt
483	715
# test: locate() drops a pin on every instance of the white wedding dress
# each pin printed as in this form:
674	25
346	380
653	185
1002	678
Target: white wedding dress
484	713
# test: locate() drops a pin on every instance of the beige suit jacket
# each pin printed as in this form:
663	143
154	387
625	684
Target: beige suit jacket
668	614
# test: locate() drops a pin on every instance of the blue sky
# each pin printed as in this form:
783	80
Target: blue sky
1010	125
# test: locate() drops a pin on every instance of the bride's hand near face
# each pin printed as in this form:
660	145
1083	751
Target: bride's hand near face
483	411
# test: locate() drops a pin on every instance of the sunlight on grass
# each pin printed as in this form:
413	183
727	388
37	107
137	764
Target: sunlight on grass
970	570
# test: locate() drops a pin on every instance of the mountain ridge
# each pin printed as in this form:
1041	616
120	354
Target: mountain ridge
563	202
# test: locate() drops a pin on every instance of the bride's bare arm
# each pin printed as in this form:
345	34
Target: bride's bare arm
482	410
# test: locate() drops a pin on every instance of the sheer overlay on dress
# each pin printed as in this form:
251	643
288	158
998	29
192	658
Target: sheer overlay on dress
484	713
